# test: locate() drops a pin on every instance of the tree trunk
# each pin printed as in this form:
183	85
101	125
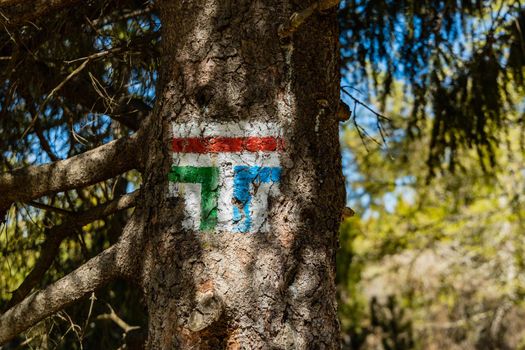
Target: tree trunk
243	179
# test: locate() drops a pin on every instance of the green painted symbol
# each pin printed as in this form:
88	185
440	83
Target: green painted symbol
208	177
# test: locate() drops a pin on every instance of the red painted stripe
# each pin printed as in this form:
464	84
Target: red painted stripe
194	145
227	144
224	144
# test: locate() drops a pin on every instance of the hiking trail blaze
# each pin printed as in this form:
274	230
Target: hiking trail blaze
225	172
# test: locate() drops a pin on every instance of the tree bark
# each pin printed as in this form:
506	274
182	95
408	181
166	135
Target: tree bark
92	275
101	163
57	234
225	67
234	236
118	261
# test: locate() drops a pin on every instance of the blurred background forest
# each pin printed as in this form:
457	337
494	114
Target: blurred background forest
433	155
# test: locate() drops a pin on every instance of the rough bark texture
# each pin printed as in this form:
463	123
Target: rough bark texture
88	168
57	234
223	61
118	261
87	278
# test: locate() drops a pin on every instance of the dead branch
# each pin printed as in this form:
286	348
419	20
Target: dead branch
85	169
127	110
112	316
92	275
58	233
118	261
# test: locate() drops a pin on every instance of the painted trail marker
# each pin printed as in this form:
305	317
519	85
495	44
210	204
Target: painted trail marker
226	174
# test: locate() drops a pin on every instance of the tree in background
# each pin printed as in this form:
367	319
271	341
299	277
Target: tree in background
439	183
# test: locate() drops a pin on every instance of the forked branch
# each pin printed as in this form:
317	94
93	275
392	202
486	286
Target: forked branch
58	233
92	275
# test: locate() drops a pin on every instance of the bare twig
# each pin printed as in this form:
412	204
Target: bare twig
72	327
358	128
356	100
96	55
92	299
48	97
101	91
362	131
112	316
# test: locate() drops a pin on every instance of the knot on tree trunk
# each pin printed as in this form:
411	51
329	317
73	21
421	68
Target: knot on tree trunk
208	310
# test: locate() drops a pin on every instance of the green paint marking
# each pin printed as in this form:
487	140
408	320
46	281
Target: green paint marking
208	177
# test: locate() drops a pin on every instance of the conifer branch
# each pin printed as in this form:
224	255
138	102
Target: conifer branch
101	163
58	233
92	275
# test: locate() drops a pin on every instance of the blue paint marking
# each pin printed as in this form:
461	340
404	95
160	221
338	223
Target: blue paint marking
244	178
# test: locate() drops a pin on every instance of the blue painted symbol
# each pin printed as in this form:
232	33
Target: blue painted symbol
244	178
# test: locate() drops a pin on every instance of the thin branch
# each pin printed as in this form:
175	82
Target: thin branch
118	261
54	91
380	128
85	169
357	127
94	274
58	233
44	206
92	299
112	316
64	316
356	100
96	55
362	131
